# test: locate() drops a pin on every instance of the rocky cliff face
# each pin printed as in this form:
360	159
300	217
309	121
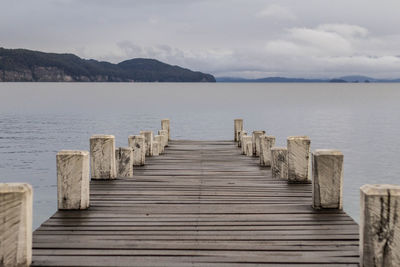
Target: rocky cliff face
51	74
19	65
40	74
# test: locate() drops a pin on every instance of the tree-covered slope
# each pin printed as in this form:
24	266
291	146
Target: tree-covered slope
27	65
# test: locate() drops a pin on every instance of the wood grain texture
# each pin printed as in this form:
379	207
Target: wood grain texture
102	157
138	145
16	224
201	203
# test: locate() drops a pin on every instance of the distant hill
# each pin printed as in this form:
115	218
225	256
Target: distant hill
358	78
361	79
21	65
267	80
345	79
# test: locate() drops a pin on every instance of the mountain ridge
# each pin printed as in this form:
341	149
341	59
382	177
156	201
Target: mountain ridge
23	65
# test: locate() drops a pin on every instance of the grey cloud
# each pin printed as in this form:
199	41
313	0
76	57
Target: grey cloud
275	11
317	38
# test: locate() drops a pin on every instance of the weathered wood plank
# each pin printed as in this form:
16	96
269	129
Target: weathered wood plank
200	204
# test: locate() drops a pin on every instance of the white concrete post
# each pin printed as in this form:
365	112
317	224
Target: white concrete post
73	180
16	225
380	226
327	179
124	162
166	125
156	148
138	145
266	143
102	157
298	159
159	139
148	137
238	126
241	134
247	145
279	164
164	134
256	142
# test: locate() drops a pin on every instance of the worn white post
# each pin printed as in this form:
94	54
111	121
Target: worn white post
380	226
256	142
159	139
238	126
156	148
298	159
148	137
138	145
327	166
102	157
124	162
279	164
15	224
266	143
240	138
243	141
241	134
247	145
73	180
164	134
166	125
249	148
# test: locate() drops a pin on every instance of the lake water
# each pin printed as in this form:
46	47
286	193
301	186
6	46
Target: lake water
39	119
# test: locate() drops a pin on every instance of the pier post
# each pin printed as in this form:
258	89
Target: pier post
327	166
242	133
102	157
164	134
243	140
138	145
380	226
247	145
73	180
156	148
16	225
238	126
279	162
166	125
159	139
266	143
298	159
148	137
256	142
124	162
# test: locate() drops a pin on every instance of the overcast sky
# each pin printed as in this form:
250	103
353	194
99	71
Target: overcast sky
244	38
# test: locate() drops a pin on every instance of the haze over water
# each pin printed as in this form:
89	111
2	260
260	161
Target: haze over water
39	119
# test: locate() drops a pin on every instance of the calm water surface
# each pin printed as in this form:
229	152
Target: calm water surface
37	120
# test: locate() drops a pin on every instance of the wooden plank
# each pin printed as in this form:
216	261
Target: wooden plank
201	204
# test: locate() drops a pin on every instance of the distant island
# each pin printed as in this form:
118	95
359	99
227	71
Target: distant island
345	79
21	65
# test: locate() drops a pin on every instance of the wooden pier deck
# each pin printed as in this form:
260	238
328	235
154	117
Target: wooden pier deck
201	203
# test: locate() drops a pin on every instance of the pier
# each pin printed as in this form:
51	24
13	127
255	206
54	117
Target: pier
211	203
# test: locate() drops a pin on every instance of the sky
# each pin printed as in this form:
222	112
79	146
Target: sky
236	38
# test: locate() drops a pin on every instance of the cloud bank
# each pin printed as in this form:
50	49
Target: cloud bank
314	39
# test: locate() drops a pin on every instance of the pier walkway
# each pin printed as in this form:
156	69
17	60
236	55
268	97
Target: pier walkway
201	203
